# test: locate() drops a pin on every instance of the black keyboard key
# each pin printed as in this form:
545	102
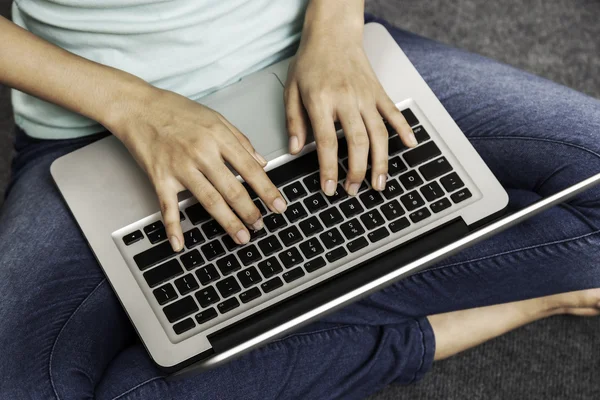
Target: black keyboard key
207	274
412	200
435	168
311	248
357	244
290	236
229	243
315	203
206	315
314	264
212	250
310	226
228	287
274	222
197	214
162	273
398	225
192	259
293	274
420	134
379	234
261	207
183	326
390	129
411	180
340	194
313	182
250	295
249	277
461	195
294	169
295	212
228	264
392	210
133	237
392	189
440	205
249	254
290	257
181	308
164	294
410	117
250	191
395	166
352	229
330	217
257	234
212	229
181	216
336	254
193	238
351	207
332	238
207	296
157	236
451	182
432	191
228	305
271	285
420	215
270	267
154	256
186	284
372	219
395	145
294	191
341	173
270	245
421	154
371	198
153	227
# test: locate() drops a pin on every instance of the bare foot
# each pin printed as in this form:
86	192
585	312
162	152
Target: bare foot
460	330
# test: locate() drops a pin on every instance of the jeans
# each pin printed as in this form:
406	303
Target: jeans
64	334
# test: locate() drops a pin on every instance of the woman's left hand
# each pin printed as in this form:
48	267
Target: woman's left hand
331	80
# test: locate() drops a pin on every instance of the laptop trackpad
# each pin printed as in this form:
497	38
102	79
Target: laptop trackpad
255	106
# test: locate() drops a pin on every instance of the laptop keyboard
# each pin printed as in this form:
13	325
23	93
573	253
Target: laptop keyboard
213	276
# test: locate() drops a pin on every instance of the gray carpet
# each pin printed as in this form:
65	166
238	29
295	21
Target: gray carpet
553	359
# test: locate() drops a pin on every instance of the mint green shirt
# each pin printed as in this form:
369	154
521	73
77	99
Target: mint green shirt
192	47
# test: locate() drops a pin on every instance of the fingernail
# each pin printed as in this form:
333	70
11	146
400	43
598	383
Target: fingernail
330	187
412	139
243	236
353	189
279	205
294	145
175	243
381	181
260	158
258	225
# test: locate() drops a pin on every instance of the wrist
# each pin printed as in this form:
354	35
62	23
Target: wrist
342	19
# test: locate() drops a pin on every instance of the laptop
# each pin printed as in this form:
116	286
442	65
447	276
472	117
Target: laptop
216	300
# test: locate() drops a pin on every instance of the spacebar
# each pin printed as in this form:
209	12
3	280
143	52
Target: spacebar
296	168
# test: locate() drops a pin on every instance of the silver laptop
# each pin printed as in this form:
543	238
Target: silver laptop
216	300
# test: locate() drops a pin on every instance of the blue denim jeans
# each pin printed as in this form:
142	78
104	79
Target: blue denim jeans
64	335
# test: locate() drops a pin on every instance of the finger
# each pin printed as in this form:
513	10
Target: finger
358	147
245	142
169	206
390	112
234	193
378	137
327	142
215	205
296	118
255	176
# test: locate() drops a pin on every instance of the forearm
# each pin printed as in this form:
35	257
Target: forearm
338	17
39	68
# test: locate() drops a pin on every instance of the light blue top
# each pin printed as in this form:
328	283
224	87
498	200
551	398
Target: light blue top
192	47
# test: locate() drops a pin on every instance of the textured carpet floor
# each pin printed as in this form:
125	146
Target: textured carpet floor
558	358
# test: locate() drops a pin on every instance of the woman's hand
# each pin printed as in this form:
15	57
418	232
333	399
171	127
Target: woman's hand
181	144
331	80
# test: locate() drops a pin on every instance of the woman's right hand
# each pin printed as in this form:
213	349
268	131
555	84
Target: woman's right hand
182	144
